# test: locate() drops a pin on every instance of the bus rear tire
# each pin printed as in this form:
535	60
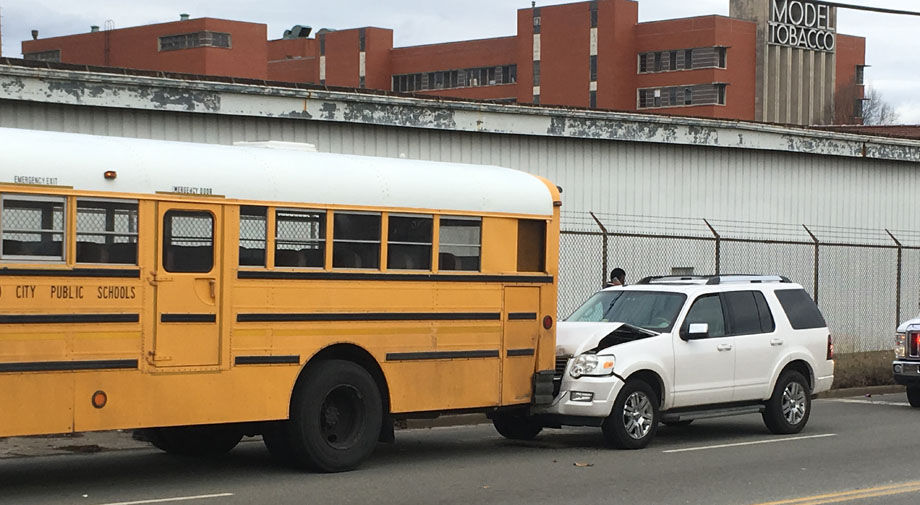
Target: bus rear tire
206	440
336	415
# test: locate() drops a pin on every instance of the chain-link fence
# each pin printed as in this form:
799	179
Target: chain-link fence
865	281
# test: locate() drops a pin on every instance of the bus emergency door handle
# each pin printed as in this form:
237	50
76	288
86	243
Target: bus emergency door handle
212	285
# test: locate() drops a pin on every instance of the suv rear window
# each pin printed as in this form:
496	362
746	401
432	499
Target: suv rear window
748	313
800	309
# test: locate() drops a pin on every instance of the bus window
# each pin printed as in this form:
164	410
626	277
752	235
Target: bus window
32	228
356	240
253	235
106	232
531	246
409	242
300	238
188	241
460	243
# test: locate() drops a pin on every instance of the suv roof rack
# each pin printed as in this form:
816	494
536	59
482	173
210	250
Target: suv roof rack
713	279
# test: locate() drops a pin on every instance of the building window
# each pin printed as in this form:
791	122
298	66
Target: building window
860	75
106	232
460	243
461	78
192	40
53	55
32	228
682	59
858	108
676	96
409	242
593	63
300	238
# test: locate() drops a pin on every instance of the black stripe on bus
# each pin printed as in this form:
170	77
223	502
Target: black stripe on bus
369	316
267	360
521	352
57	366
512	316
359	276
188	318
68	318
413	356
127	273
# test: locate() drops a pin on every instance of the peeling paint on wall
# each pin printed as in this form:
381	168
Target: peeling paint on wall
92	89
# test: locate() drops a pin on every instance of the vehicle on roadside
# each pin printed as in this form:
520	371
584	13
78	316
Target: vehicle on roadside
674	349
906	364
202	293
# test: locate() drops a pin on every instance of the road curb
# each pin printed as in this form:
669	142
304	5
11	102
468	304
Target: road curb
863	391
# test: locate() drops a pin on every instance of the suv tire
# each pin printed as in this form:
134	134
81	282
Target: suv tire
790	406
633	421
516	425
913	395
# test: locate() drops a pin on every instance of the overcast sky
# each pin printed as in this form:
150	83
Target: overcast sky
891	40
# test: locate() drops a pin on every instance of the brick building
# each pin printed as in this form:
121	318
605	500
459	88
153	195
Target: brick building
752	65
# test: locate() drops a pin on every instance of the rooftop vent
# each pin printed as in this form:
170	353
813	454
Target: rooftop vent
183	17
94	28
298	32
34	34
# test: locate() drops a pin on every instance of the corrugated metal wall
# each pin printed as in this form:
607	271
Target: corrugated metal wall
612	177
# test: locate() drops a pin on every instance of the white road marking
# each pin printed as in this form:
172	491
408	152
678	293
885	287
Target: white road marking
868	401
756	442
167	500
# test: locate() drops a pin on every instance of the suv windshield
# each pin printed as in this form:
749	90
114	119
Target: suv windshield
645	309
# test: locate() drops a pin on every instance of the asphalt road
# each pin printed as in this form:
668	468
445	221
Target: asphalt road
854	450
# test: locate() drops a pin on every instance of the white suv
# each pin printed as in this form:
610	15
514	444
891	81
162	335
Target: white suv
674	349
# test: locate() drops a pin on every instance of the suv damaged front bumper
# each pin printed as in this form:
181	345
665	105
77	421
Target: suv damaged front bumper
906	372
585	397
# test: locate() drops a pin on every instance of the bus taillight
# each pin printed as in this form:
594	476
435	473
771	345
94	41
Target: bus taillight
547	322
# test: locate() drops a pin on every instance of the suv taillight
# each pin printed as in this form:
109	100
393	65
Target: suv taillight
830	347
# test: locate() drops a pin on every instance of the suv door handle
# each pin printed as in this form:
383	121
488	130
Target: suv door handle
724	347
776	341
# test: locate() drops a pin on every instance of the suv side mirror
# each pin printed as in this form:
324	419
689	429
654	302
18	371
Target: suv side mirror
696	331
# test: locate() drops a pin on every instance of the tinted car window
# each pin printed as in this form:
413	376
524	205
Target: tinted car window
767	325
800	309
707	309
748	313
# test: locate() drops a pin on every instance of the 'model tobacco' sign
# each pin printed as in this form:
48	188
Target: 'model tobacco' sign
803	24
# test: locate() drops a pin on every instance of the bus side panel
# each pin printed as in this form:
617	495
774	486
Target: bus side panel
443	384
36	403
135	399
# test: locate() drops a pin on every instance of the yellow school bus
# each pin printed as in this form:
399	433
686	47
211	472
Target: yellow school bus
205	292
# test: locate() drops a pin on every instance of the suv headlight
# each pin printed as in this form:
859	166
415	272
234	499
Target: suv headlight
593	365
899	349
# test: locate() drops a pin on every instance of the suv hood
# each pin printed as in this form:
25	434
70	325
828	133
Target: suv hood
574	338
901	329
